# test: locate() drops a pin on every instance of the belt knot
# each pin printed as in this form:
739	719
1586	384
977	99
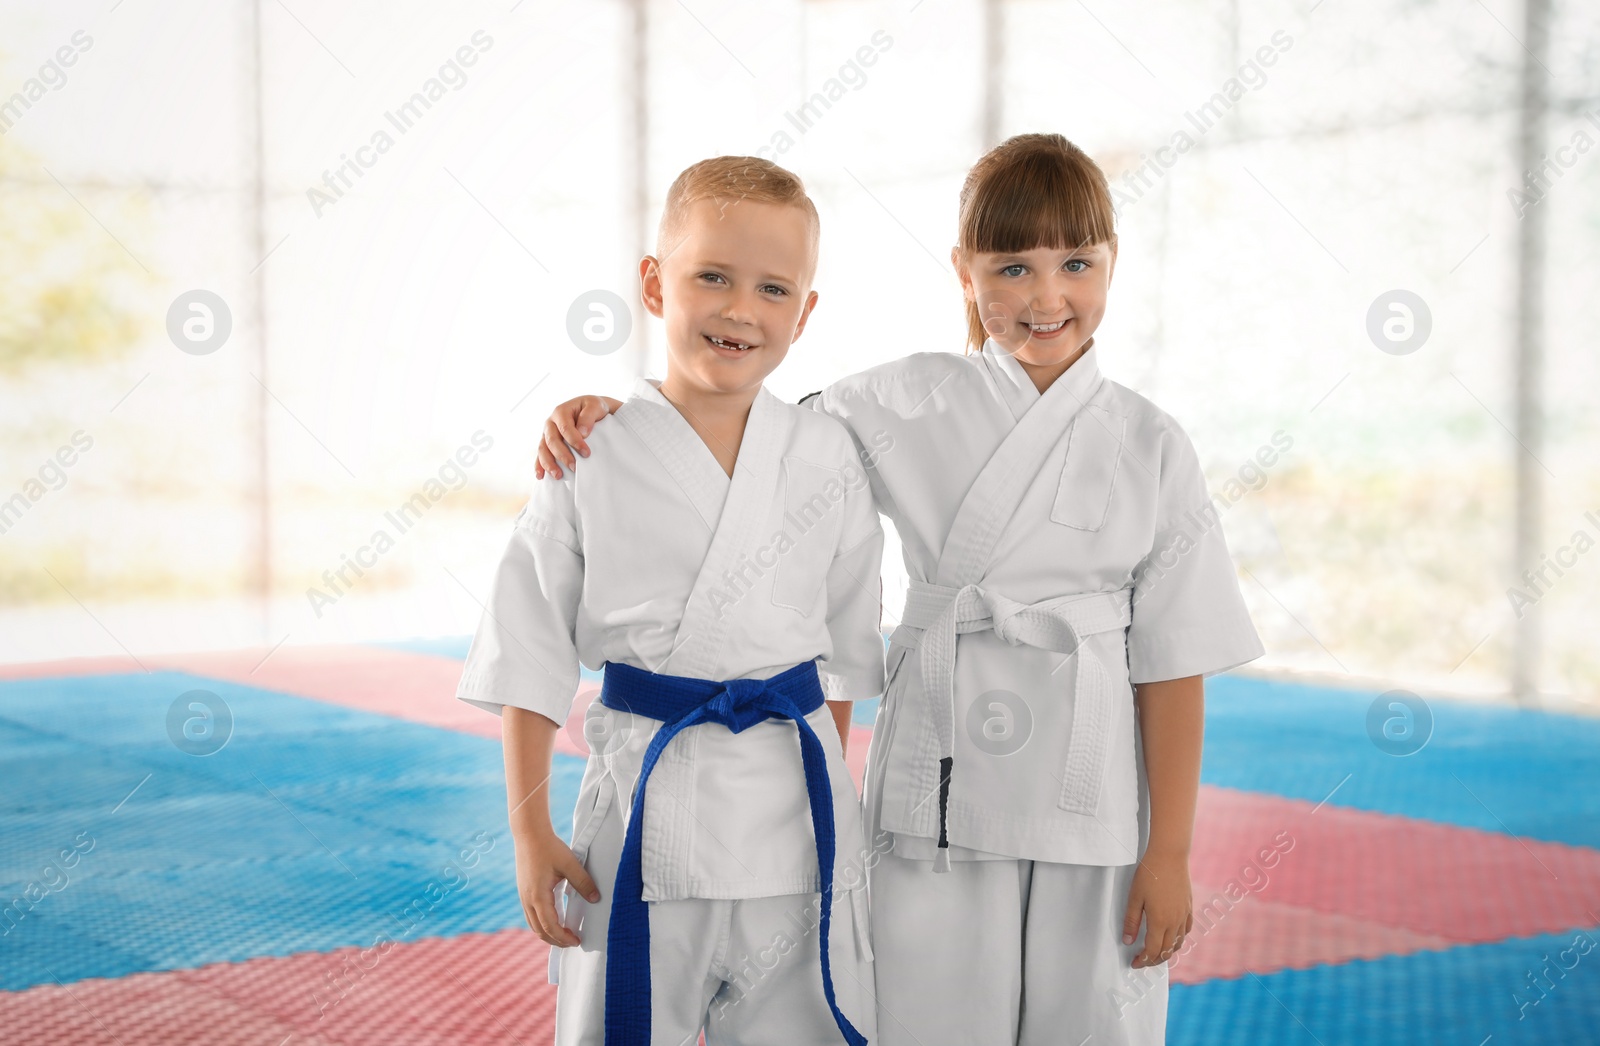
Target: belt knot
739	704
1005	613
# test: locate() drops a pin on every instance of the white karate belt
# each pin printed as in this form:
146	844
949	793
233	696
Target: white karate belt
1061	624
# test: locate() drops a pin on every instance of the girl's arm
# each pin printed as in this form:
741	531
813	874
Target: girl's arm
841	718
568	424
543	860
1172	727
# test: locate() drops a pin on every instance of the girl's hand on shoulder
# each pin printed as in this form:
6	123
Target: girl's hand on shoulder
544	862
1162	897
568	424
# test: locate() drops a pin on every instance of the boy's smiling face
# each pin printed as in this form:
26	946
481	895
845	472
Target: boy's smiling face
1041	305
734	290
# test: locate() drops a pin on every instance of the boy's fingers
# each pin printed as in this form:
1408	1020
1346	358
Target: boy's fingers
532	920
559	438
544	904
556	446
534	924
594	409
579	878
546	461
567	425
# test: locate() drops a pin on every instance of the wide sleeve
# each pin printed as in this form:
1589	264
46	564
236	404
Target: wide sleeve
854	669
524	653
1189	617
835	402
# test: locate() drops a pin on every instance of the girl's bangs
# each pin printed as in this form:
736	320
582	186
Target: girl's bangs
1038	202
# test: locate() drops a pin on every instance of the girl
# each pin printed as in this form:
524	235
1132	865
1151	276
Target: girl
1036	757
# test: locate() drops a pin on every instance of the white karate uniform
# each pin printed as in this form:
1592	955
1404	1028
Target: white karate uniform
649	555
1060	548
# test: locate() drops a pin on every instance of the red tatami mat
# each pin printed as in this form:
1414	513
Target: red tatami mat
1337	884
461	991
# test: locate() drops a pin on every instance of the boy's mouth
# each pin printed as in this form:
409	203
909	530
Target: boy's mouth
728	344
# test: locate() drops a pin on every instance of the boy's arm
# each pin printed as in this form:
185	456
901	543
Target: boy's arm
542	859
855	611
569	423
1172	729
523	665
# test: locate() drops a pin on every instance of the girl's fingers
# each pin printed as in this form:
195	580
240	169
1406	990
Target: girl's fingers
1168	945
1159	945
1130	920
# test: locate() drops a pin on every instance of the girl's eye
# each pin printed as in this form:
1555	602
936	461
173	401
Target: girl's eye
1013	270
711	276
1070	262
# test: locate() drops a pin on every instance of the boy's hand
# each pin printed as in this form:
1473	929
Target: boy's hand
1162	895
569	423
543	862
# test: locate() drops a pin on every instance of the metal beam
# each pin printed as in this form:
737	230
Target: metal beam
1529	359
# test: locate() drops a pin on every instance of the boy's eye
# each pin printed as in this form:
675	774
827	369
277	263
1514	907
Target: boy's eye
1013	270
773	288
1070	262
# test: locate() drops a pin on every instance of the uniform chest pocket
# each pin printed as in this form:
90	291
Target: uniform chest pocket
813	517
1094	456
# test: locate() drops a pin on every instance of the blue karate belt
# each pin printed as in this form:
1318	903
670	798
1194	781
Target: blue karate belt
681	702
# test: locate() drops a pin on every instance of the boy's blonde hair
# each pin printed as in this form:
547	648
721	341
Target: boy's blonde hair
1032	190
734	178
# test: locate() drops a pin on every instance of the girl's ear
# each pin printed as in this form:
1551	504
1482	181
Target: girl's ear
962	273
650	284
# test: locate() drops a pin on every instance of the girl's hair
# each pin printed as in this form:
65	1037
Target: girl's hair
1032	190
735	178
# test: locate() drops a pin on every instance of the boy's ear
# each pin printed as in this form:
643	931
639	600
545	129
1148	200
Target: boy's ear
805	314
650	284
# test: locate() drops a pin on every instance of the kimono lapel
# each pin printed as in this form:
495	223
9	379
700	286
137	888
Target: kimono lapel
697	647
674	442
992	500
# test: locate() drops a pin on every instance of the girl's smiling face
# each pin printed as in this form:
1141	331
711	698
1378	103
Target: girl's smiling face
1040	305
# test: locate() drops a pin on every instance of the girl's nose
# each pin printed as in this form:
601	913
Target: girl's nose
1051	301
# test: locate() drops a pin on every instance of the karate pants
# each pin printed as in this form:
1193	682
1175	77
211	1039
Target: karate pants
1012	951
721	965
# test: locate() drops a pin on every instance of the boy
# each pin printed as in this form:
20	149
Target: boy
710	561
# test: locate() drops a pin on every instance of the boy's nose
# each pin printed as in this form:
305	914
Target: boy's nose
739	309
